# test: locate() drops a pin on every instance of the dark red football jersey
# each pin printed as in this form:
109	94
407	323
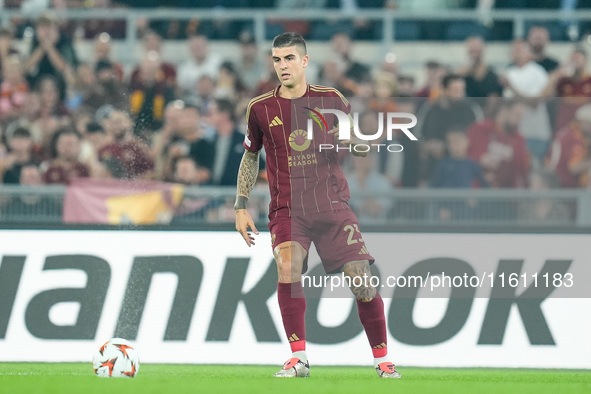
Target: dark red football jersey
303	178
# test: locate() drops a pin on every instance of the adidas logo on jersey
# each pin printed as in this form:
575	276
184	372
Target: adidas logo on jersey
363	250
275	122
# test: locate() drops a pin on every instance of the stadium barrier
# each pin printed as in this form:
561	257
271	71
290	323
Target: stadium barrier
197	297
203	207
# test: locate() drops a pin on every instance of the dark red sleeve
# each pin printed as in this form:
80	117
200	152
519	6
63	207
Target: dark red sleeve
253	140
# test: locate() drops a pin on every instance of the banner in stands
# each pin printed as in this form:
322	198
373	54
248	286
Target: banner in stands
205	297
115	201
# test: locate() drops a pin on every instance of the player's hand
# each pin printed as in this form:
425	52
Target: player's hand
243	222
335	132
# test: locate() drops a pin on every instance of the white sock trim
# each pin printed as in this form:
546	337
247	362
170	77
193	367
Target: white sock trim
301	355
377	361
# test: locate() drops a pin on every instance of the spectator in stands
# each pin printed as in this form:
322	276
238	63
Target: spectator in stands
435	73
572	83
153	43
481	80
203	95
125	148
499	148
333	74
7	48
457	170
406	86
65	165
149	96
114	27
527	79
53	114
450	111
229	84
51	54
269	81
191	132
32	205
82	86
538	38
228	149
201	63
94	140
187	172
342	46
251	66
385	88
301	27
187	140
13	89
366	180
102	53
29	113
570	153
20	151
30	175
106	89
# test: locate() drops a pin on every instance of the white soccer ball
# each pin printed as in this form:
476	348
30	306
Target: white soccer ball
116	359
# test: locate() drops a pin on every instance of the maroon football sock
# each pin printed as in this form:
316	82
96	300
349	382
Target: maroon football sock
373	320
293	308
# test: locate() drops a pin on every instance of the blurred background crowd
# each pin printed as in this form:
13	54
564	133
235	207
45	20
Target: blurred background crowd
526	124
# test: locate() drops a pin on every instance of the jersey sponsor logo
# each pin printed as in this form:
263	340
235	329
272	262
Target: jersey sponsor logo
302	160
276	122
298	140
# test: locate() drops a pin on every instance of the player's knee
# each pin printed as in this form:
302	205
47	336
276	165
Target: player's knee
364	294
289	257
289	271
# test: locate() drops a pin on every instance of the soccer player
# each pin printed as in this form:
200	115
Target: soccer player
309	195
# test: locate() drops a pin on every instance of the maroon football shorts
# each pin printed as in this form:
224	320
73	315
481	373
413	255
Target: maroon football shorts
335	234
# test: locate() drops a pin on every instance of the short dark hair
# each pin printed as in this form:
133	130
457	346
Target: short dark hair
21	132
226	106
94	128
289	39
57	135
449	78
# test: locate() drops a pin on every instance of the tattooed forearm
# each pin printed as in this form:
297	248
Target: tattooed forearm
365	292
247	177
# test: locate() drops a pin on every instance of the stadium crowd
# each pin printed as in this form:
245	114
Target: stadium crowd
63	117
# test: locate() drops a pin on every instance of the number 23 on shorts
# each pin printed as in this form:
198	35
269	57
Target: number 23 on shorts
352	229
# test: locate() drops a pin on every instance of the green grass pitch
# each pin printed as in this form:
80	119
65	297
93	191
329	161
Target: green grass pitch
63	378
